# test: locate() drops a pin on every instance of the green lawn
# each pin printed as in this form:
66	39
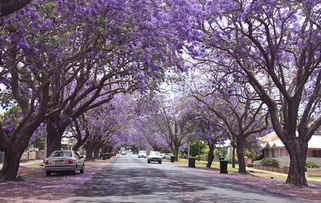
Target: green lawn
216	165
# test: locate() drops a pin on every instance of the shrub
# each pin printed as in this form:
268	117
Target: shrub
270	162
310	164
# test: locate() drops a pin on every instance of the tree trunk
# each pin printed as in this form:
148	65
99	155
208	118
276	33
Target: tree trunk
210	157
104	149
176	153
240	146
77	145
13	151
11	163
80	142
89	150
97	150
233	157
54	135
297	151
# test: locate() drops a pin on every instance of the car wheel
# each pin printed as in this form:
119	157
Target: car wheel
159	162
48	173
148	161
82	169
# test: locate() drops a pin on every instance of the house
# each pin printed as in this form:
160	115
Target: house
274	148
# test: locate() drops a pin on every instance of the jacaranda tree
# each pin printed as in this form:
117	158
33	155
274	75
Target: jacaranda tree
276	45
238	109
104	42
9	6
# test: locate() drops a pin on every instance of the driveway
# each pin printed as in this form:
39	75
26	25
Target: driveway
129	179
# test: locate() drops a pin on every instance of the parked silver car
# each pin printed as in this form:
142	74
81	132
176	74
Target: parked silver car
66	160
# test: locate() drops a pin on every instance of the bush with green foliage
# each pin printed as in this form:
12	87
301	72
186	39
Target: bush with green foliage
310	164
270	162
197	148
220	152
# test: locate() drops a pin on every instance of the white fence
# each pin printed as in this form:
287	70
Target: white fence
285	161
1	157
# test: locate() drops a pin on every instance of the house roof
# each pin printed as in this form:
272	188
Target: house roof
269	137
275	143
272	140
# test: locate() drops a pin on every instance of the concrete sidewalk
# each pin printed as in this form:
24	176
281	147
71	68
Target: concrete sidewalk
255	171
31	163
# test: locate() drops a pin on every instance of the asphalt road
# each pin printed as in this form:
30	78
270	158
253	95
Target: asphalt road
129	179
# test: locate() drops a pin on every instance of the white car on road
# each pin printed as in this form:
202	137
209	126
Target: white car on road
142	154
154	156
64	161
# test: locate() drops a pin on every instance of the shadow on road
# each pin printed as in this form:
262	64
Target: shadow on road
128	182
138	181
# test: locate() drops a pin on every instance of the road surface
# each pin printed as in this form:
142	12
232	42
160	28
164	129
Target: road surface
129	179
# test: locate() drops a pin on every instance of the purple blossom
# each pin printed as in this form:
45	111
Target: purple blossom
47	23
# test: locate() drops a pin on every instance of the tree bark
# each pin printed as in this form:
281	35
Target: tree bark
176	151
233	157
210	157
107	149
13	151
97	148
11	163
89	150
297	151
240	146
53	140
55	132
80	142
104	149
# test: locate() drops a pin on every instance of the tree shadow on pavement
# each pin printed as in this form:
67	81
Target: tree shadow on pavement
174	184
128	182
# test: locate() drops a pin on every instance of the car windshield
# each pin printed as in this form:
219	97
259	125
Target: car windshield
155	153
142	152
61	154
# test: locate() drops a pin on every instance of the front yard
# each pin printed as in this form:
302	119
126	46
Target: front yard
264	180
251	171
